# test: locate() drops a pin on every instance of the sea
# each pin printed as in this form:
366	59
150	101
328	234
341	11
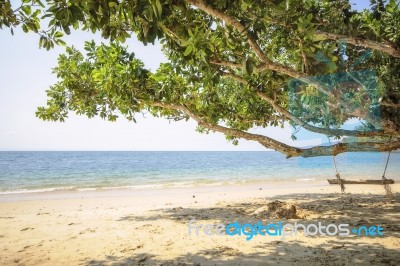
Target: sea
35	172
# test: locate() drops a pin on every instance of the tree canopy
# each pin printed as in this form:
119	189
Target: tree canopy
233	65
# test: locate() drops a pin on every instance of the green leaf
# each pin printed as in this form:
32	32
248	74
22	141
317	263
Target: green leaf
317	38
188	50
58	34
159	7
27	10
66	30
250	65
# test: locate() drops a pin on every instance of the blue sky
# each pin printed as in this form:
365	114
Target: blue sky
25	74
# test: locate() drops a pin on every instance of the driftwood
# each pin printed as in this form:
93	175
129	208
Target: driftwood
361	181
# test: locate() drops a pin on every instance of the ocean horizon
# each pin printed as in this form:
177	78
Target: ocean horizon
46	171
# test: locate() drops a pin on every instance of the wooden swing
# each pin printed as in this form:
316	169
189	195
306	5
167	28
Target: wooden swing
384	181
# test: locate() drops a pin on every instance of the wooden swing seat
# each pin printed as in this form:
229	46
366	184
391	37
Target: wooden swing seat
361	181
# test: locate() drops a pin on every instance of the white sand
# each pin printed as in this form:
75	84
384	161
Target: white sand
150	227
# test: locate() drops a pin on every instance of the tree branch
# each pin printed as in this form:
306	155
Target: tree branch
226	64
385	48
268	64
350	147
232	22
356	41
305	125
337	103
394	105
263	140
289	151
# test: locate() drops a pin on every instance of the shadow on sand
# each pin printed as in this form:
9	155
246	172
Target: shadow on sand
354	209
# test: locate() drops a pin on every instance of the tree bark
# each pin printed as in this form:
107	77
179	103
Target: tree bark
350	147
288	150
385	48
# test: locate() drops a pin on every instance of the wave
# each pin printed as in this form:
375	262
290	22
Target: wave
305	179
37	190
108	188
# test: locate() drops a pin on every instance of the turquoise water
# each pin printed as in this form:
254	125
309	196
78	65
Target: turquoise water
22	172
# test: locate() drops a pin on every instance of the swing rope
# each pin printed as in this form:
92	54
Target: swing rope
385	184
340	181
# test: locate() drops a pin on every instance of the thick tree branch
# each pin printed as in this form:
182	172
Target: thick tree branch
385	48
305	125
283	70
394	105
356	41
226	64
263	140
267	64
320	130
171	33
289	151
232	22
351	147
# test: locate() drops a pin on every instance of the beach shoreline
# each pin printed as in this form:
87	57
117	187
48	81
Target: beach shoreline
35	175
273	186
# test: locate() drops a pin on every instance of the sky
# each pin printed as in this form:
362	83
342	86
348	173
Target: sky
25	74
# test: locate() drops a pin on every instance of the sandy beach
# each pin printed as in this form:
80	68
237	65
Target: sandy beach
200	132
150	227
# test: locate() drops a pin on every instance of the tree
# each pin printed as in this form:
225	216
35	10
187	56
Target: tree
232	65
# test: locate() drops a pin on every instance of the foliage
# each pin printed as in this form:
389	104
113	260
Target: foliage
232	65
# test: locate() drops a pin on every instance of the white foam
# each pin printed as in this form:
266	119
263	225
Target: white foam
305	179
41	190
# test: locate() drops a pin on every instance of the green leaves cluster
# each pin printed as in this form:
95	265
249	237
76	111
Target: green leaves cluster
109	81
